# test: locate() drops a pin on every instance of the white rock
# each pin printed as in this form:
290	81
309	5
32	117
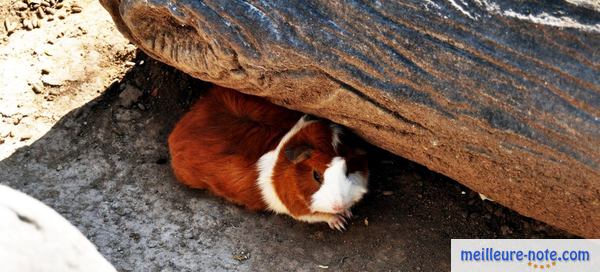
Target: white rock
33	237
484	198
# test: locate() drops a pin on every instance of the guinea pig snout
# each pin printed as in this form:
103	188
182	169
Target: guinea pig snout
337	207
329	204
338	192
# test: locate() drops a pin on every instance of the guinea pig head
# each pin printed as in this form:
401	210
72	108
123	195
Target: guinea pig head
317	172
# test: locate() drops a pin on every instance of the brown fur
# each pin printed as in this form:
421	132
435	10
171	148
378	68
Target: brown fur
296	195
217	143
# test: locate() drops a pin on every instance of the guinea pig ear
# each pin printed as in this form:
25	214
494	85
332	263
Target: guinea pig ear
298	153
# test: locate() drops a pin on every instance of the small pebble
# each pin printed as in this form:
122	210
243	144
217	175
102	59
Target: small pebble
37	88
121	211
45	71
387	193
27	24
40	13
20	6
135	236
4	132
59	167
25	137
505	230
50	11
10	26
129	95
75	9
37	23
241	256
49	81
129	63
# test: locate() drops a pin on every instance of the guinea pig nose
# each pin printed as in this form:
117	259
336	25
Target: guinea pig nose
337	207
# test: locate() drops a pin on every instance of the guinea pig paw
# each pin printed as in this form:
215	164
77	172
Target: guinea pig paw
337	222
347	213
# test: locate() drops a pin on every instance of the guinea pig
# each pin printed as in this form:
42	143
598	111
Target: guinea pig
266	157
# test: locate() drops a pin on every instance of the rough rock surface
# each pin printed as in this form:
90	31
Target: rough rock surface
503	96
33	237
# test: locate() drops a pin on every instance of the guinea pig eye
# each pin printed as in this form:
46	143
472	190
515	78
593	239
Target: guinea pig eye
316	176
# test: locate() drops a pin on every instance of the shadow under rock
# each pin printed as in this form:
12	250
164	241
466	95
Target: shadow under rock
105	168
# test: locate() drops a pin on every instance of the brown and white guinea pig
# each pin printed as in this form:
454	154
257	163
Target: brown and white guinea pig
266	157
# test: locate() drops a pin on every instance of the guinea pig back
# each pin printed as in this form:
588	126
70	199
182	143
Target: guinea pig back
216	144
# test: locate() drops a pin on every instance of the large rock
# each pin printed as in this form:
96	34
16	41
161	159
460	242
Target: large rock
502	96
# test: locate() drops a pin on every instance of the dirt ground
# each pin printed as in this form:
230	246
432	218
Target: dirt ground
84	119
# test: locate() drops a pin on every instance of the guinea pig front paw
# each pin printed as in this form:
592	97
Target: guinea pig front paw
347	213
338	222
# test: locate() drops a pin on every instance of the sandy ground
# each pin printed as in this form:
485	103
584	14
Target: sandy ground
84	119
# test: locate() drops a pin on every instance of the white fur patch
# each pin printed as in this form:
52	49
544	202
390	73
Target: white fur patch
336	131
266	166
359	179
338	190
